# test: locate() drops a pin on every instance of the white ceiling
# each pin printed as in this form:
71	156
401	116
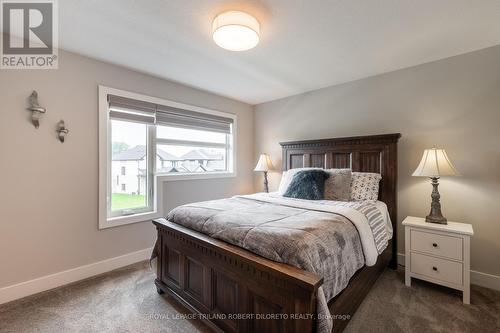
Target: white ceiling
305	44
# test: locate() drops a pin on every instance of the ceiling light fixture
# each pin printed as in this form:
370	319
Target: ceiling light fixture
236	31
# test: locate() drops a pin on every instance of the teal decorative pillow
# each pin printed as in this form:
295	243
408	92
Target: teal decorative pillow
307	184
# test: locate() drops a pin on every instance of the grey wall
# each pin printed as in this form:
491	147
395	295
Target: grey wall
48	205
48	201
452	103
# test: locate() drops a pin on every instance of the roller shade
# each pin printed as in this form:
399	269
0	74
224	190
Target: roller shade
122	108
170	116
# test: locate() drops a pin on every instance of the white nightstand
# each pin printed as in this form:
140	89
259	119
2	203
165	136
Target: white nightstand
438	253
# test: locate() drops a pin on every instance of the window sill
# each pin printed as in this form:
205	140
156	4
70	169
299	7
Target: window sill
129	219
193	176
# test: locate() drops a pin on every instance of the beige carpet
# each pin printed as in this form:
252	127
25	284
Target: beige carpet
126	301
392	307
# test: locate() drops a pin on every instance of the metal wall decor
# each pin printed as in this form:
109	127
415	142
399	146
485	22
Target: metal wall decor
61	130
36	109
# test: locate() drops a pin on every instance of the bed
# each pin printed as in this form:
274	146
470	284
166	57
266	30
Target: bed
234	289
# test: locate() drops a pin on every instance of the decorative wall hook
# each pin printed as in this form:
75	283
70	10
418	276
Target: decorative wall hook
61	130
36	109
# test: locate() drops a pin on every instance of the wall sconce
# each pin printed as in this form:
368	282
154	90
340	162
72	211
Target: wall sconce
36	109
61	130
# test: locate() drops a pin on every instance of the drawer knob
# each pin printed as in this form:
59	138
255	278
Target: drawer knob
434	244
434	268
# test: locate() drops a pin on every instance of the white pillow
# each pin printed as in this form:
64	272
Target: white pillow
364	186
286	178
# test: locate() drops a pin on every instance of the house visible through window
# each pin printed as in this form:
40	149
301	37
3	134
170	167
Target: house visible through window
148	139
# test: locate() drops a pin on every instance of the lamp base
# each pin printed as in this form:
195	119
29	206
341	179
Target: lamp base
435	216
266	183
436	219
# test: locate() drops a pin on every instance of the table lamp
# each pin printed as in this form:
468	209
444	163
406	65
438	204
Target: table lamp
435	164
264	164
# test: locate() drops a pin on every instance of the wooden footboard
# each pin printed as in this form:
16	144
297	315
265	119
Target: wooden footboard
230	288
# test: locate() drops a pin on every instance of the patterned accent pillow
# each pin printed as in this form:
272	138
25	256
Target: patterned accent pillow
308	185
364	186
338	185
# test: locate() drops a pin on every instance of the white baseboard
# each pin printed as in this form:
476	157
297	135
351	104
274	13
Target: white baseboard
51	281
485	280
478	278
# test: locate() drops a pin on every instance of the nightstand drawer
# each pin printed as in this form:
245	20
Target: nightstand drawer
439	245
435	268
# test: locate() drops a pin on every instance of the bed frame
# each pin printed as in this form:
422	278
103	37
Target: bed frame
234	290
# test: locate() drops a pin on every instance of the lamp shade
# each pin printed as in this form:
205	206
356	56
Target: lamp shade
435	163
264	163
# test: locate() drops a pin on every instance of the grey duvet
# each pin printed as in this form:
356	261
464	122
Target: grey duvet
320	237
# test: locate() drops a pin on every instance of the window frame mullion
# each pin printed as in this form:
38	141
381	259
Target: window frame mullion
151	164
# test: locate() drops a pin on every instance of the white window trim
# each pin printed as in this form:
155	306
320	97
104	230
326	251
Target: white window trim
159	179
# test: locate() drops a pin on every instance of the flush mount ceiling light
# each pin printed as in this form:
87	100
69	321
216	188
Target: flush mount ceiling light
236	31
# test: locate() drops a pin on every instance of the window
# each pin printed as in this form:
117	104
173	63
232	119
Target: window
189	142
129	152
145	140
182	150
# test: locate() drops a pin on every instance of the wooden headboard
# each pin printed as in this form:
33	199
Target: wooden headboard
372	153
